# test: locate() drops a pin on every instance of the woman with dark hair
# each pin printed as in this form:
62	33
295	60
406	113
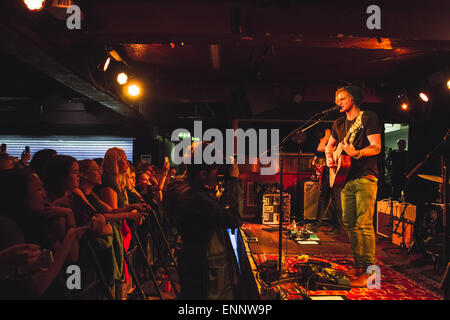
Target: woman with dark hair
40	159
61	176
25	219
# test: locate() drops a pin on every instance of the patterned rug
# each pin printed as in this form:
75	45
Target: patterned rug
392	285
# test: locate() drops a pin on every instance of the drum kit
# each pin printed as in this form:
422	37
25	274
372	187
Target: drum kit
432	225
432	178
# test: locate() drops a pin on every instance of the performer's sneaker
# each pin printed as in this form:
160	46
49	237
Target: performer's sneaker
360	282
354	272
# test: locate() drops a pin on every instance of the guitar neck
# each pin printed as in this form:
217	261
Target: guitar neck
337	153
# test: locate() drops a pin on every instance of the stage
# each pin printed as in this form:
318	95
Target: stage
258	251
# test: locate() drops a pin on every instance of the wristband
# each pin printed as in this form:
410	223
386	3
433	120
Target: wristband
358	156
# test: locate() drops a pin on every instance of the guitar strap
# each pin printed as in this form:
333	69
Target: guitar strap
354	128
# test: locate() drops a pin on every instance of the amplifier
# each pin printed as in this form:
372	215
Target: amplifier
271	208
400	225
405	211
311	193
384	223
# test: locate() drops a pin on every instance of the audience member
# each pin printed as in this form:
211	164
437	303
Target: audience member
40	159
113	193
208	266
24	219
6	162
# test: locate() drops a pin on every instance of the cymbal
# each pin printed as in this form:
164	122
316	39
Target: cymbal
437	179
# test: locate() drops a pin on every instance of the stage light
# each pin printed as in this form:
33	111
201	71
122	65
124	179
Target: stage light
34	5
405	106
448	84
424	97
106	65
134	90
122	78
115	55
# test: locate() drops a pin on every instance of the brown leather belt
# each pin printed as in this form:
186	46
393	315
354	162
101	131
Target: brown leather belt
371	177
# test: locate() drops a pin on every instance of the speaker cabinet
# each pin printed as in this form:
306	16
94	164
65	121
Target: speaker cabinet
311	199
384	223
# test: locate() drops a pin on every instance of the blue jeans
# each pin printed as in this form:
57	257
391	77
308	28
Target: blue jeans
358	199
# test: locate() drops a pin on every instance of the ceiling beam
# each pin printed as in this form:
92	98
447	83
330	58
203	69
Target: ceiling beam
136	21
29	52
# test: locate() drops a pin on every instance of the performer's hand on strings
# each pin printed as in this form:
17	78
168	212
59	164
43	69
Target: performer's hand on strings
349	149
330	161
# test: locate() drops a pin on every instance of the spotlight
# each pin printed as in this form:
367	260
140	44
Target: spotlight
115	55
134	90
403	101
106	65
34	5
424	97
122	78
448	84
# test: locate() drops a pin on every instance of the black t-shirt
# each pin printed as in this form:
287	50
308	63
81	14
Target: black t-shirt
370	125
400	164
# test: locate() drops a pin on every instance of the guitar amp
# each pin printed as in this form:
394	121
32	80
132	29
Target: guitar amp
384	221
396	222
311	199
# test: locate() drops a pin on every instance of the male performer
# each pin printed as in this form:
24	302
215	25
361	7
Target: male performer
358	196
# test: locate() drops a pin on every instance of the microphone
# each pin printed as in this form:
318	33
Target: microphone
330	109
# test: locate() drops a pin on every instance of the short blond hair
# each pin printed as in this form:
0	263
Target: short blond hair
342	89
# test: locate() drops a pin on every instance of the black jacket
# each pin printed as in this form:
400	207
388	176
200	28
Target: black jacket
208	266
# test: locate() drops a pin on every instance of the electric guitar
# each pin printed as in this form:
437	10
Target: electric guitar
319	164
338	174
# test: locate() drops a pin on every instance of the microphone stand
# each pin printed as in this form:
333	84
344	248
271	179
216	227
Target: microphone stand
444	189
298	130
